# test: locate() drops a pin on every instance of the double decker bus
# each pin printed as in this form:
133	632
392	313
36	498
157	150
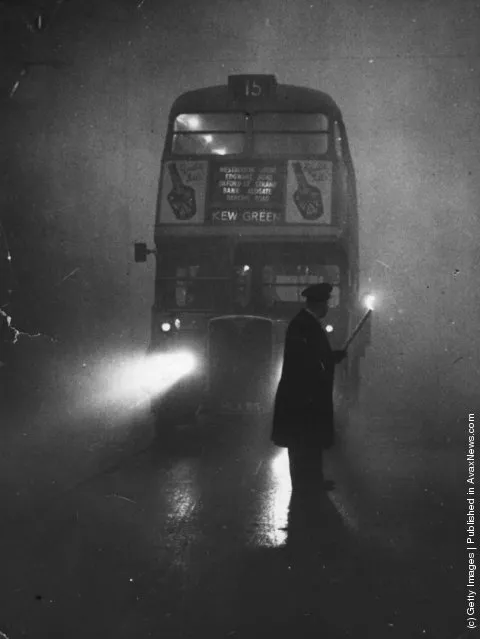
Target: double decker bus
256	201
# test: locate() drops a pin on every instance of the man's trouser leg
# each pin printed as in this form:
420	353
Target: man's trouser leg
306	466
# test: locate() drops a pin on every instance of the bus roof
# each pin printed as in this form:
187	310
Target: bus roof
288	98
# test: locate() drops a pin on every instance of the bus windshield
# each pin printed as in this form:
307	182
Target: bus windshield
198	275
192	275
276	134
277	273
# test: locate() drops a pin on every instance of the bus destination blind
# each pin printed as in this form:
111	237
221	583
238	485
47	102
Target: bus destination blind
246	193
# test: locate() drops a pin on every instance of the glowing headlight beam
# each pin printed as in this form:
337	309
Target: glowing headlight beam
154	373
125	382
183	364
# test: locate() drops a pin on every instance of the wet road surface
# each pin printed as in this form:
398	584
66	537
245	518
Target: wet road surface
198	536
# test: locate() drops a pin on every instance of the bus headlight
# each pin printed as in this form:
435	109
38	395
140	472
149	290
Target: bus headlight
166	327
329	328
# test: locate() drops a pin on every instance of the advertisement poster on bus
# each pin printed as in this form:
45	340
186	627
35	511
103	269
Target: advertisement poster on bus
246	192
183	192
309	192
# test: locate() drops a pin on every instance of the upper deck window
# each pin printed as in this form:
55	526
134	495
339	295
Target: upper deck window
209	134
337	138
285	134
208	144
200	122
274	134
301	122
288	144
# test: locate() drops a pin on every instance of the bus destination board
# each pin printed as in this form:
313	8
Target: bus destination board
246	192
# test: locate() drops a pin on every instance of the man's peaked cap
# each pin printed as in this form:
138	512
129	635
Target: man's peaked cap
318	292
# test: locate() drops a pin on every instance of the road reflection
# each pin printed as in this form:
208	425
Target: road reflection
183	491
277	498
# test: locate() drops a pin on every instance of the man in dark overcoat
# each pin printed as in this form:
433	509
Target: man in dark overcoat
303	413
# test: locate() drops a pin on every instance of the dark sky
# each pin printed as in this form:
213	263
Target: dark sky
85	141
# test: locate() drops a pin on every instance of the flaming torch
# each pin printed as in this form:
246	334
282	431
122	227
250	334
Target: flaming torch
368	301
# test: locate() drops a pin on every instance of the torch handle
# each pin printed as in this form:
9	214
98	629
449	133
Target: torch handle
357	329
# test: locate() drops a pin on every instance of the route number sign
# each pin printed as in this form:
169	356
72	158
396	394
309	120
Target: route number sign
251	87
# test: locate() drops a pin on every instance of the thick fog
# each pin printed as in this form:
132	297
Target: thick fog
84	141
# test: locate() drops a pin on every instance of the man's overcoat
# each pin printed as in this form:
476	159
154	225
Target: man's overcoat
303	413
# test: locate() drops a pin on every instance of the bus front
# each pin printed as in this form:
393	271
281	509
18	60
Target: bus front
256	201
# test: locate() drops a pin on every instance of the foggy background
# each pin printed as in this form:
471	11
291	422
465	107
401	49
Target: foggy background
82	142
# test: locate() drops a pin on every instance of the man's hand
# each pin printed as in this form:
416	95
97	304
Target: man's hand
339	356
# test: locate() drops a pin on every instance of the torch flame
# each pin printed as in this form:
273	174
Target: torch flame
369	301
